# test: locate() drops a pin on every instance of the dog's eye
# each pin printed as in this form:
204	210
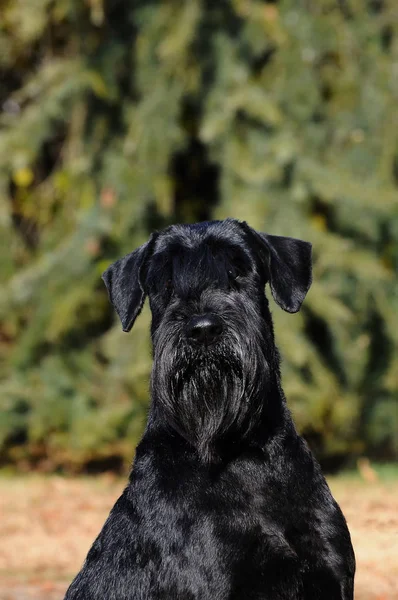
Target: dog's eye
237	270
234	277
238	267
168	284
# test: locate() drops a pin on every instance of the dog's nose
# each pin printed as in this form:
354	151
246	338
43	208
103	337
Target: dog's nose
204	329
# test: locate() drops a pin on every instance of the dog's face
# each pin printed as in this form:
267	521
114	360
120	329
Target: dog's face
214	352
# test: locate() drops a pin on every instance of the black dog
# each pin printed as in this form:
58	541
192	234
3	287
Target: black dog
225	500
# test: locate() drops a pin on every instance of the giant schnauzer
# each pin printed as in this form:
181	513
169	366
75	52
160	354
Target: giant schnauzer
225	500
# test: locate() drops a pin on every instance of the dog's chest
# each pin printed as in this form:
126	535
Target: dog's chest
227	529
253	512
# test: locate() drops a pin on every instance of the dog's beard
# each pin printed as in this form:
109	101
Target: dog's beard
209	394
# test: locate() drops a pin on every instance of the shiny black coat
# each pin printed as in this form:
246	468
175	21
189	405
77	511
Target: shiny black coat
225	500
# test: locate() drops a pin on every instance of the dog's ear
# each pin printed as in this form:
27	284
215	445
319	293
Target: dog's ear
124	280
288	267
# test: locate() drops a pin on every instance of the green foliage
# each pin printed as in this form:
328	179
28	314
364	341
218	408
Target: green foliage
120	117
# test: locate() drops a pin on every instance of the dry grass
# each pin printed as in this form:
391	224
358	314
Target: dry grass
48	524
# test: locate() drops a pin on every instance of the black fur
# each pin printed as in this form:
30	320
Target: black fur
225	500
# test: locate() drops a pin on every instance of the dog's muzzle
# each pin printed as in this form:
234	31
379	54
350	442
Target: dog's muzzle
204	329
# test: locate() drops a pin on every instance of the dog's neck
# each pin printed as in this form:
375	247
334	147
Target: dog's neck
274	422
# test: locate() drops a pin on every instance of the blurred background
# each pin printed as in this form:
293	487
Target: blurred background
118	117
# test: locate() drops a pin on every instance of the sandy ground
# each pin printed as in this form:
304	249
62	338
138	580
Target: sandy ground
48	524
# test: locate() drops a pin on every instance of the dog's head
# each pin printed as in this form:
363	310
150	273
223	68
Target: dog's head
214	352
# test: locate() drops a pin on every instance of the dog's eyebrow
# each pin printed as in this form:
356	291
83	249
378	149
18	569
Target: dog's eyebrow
223	244
231	252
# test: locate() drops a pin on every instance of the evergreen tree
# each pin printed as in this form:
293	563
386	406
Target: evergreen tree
120	117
